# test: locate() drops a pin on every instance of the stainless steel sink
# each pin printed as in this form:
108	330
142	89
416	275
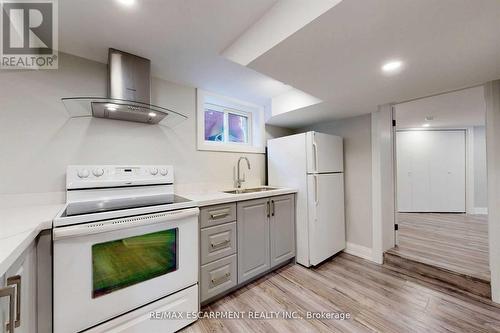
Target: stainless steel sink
251	190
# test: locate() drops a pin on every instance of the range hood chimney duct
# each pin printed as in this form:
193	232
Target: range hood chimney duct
129	77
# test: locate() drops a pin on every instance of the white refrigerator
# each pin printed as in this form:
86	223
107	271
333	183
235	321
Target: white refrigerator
313	163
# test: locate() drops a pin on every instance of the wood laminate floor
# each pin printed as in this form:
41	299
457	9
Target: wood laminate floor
457	242
377	298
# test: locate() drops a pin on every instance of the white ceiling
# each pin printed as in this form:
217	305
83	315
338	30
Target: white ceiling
445	45
183	39
456	109
284	19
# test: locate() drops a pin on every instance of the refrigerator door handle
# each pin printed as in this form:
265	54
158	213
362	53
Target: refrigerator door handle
315	149
316	194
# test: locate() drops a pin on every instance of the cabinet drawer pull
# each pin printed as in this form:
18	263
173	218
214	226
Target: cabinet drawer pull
272	207
16	280
221	279
4	292
219	214
216	245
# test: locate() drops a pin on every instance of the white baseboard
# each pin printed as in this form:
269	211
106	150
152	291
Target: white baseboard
359	251
481	210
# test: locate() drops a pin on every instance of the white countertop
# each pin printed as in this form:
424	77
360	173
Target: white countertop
19	226
214	197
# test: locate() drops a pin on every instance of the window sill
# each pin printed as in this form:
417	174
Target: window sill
206	146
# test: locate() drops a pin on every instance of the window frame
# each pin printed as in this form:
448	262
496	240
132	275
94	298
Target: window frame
226	111
228	105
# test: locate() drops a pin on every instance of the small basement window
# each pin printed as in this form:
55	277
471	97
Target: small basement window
227	124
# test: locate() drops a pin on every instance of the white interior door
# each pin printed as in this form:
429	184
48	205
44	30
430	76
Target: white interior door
431	169
326	216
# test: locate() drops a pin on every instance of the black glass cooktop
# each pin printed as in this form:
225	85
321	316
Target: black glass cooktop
98	206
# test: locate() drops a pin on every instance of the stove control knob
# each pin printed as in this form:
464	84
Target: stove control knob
163	172
153	171
98	172
83	173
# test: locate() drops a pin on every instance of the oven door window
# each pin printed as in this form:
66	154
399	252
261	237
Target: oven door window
121	263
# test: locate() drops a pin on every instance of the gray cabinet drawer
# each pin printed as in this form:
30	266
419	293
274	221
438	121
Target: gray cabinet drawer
218	277
218	214
218	242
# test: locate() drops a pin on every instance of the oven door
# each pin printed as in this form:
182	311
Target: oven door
104	269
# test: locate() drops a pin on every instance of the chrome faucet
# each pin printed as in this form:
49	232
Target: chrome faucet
240	180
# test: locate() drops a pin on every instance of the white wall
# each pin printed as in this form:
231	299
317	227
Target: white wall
383	198
492	98
480	178
276	132
38	141
356	132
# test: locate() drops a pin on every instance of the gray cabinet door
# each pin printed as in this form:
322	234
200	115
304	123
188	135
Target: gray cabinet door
24	268
282	229
253	238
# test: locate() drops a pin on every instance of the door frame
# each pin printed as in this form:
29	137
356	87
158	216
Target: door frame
383	190
395	173
492	98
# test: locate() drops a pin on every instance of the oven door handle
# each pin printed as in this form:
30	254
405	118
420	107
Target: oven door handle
122	223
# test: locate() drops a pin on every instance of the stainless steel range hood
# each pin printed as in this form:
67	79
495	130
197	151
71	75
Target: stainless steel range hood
129	94
129	76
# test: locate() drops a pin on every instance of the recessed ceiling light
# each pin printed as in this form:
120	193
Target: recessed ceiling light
128	3
392	66
426	125
152	114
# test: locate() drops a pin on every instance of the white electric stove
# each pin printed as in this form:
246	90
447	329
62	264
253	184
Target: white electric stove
124	247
